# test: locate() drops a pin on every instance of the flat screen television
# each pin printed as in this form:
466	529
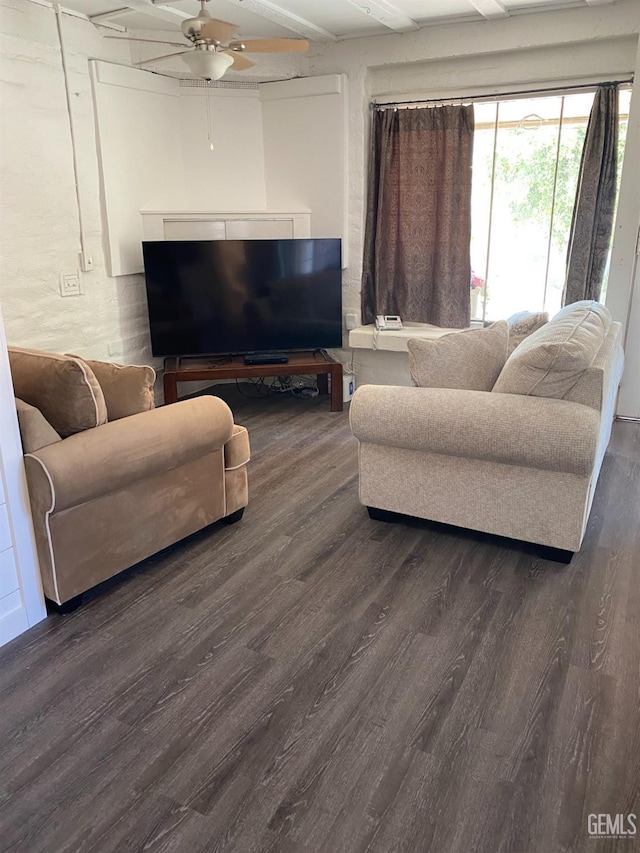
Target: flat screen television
211	297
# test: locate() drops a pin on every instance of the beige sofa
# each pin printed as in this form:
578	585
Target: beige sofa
518	456
111	479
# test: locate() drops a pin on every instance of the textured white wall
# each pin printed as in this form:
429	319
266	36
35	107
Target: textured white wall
232	176
304	125
39	232
38	211
623	293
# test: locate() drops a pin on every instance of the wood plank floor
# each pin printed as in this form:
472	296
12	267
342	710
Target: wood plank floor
311	680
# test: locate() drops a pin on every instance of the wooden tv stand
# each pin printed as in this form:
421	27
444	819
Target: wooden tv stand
202	369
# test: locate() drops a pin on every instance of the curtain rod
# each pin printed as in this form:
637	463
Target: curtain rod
497	96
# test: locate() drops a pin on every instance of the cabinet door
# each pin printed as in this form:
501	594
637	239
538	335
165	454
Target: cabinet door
259	229
194	229
8	575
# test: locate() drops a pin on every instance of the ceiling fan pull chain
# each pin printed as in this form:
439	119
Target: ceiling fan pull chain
210	133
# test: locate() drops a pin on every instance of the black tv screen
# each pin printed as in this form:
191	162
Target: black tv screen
210	297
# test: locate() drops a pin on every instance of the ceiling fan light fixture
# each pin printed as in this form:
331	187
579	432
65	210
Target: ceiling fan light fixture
208	64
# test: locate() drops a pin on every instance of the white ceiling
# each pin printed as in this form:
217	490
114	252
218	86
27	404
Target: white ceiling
317	20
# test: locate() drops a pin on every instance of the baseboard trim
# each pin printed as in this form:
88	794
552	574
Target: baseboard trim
13	624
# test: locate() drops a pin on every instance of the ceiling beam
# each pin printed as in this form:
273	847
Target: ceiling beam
490	8
386	13
110	16
598	2
289	20
154	10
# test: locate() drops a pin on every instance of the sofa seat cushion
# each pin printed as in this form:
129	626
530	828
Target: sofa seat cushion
62	387
523	324
471	359
127	388
552	360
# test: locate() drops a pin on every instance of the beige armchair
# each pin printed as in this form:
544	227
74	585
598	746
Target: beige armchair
111	479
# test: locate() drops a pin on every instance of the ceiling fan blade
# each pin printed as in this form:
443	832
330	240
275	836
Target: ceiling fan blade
240	62
219	31
159	58
149	41
271	45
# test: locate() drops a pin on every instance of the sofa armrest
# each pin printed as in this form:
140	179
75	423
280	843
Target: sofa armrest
110	457
237	451
533	432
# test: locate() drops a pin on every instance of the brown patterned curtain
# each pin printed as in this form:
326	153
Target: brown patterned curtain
592	221
418	226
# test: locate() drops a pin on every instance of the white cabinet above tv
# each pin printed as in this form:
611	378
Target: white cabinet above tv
221	225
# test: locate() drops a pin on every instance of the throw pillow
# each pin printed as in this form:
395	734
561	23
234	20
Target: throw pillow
550	361
523	324
471	359
127	388
35	430
62	387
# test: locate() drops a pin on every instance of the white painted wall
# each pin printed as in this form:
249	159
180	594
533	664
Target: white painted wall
623	293
39	234
305	144
629	402
232	176
138	121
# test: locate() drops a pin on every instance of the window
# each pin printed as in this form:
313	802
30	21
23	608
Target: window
525	169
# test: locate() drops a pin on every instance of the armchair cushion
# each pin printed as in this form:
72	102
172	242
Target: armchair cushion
127	389
552	360
471	359
62	387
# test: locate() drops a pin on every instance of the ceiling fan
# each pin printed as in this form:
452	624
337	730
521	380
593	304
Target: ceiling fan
214	49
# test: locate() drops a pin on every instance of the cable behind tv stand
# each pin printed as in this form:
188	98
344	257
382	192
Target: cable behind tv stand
201	369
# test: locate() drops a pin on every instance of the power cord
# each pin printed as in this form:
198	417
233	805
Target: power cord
300	386
351	366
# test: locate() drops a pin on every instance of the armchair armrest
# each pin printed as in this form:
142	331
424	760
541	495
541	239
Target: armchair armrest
110	457
533	432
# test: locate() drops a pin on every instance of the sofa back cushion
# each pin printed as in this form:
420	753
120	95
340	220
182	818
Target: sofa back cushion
470	360
523	324
551	361
127	388
63	388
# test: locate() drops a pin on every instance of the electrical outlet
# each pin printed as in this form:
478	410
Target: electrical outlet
70	284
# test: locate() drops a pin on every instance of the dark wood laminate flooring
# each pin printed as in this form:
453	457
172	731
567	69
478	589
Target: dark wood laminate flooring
311	680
